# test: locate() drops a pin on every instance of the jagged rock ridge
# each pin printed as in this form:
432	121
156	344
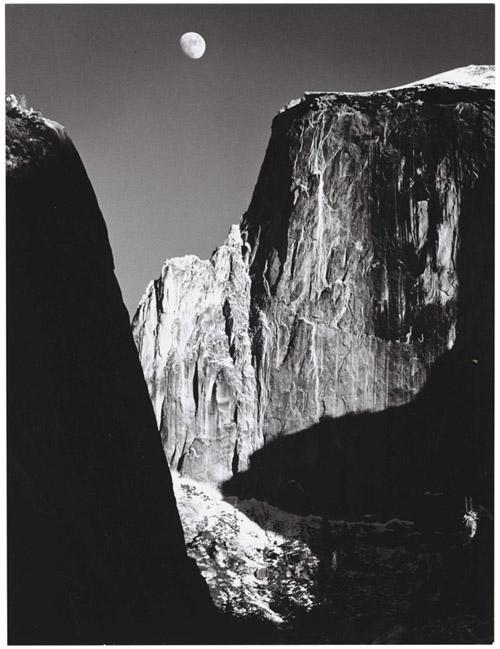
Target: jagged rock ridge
344	276
193	339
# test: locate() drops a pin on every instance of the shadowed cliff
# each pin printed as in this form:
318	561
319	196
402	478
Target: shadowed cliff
417	462
440	442
383	463
95	548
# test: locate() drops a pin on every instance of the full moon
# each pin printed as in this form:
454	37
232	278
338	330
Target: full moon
193	45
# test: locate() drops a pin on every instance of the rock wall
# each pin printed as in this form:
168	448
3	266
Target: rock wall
192	334
351	259
96	551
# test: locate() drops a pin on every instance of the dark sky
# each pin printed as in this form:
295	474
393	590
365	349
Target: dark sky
173	146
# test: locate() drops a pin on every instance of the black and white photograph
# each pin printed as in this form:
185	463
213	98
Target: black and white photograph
249	323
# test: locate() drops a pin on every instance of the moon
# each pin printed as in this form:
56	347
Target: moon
193	45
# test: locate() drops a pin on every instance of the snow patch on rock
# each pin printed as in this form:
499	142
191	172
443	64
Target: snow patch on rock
250	570
471	76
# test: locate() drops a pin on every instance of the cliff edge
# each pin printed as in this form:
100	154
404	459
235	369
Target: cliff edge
364	258
96	551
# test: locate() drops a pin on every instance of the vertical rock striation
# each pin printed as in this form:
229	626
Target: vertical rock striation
354	228
192	334
347	272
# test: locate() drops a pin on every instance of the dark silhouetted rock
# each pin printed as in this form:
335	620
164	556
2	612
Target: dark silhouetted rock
96	551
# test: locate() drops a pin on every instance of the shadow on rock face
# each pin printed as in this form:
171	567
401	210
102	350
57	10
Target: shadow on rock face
416	462
383	463
442	442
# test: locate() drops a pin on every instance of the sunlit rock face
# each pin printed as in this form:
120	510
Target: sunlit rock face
355	234
192	333
346	274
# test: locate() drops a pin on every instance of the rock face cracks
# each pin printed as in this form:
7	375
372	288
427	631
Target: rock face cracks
343	283
192	333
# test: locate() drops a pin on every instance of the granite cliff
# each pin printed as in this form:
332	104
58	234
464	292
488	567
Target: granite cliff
194	343
364	257
96	551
